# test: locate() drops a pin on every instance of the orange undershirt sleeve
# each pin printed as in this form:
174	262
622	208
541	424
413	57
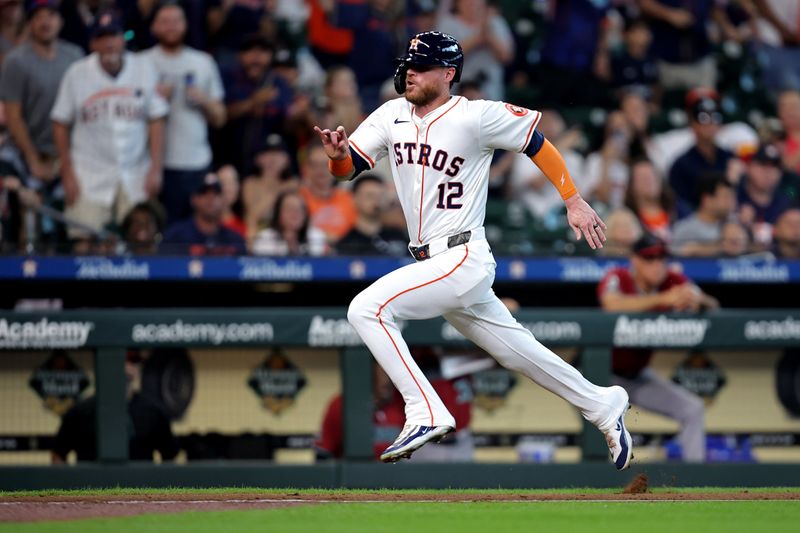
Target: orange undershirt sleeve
550	162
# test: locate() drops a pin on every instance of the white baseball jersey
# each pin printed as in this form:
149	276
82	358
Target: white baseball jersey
440	162
109	118
440	165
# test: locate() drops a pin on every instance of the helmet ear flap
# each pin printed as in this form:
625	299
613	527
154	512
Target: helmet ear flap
400	78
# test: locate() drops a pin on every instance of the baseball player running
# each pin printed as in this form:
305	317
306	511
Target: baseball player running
440	148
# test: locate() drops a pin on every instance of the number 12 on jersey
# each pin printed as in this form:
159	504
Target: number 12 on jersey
455	189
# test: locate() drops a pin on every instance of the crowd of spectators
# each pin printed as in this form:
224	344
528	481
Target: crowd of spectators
185	127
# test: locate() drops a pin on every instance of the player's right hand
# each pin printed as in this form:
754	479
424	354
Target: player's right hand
585	222
335	142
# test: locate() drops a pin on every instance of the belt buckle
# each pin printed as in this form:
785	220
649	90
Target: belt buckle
420	253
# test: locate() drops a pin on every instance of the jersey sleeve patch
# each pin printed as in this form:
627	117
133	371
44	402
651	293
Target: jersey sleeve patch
516	110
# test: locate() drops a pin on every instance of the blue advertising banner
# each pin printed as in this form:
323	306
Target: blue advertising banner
549	270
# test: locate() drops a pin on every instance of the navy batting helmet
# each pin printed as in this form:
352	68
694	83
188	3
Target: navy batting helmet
432	48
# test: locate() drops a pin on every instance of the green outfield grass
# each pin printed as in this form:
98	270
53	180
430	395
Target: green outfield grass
466	517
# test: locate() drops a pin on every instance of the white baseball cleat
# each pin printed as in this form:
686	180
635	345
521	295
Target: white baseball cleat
619	440
411	439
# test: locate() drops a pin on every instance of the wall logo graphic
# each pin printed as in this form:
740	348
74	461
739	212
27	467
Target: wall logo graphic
277	381
661	331
699	374
44	333
491	388
59	382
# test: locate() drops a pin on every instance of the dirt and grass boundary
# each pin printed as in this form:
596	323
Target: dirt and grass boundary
32	506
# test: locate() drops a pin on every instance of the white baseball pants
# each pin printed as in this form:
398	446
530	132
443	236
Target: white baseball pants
457	284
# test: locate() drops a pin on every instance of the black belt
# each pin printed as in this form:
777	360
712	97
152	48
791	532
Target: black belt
421	253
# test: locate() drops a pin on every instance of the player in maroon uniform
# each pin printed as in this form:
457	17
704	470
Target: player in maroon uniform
648	285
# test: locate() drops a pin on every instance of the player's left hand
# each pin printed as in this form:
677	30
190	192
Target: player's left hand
584	221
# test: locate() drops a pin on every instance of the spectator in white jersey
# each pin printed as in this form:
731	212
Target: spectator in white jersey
108	124
190	81
28	87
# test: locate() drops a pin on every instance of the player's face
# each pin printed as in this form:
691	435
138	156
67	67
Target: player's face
652	270
425	83
169	27
45	25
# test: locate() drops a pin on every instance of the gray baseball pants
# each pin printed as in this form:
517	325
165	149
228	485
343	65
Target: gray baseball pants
654	393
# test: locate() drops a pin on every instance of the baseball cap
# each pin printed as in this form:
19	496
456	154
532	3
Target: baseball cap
768	154
256	40
106	23
273	141
650	247
31	6
702	105
210	182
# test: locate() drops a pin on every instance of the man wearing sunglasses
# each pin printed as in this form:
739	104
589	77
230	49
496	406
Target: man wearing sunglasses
704	157
649	285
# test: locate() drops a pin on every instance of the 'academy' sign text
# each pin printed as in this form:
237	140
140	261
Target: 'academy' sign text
44	334
661	331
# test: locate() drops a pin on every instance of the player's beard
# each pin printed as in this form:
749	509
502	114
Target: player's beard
423	95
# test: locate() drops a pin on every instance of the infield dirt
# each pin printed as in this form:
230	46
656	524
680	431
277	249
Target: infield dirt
73	507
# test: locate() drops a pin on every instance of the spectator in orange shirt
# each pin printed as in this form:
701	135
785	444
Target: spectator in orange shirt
331	208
